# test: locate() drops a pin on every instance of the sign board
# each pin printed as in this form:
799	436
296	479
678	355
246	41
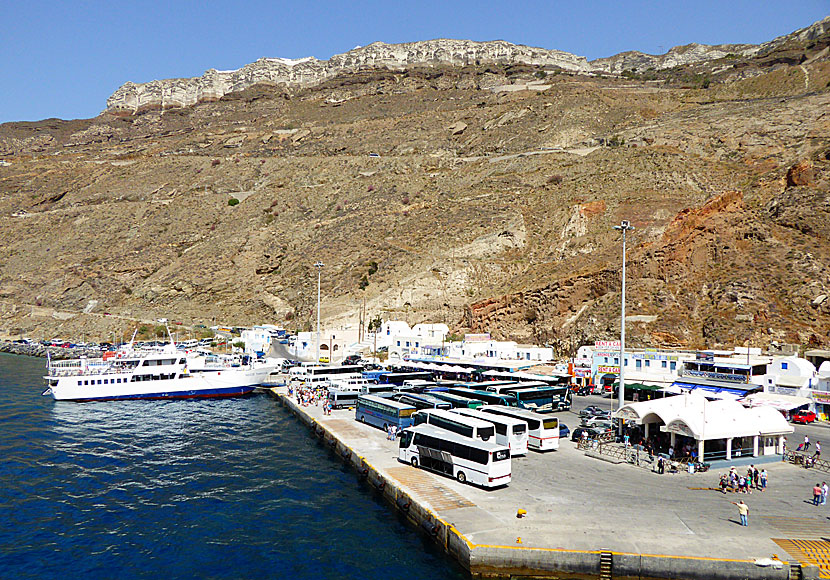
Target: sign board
717	376
679	427
627	413
482	337
581	372
608	369
705	356
607	344
822	398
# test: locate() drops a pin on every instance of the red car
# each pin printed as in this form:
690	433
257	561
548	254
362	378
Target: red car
803	417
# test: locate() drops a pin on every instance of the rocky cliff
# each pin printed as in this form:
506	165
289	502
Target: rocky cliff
480	194
132	98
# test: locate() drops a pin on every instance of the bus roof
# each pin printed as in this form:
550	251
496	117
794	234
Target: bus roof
385	401
516	412
444	395
434	431
469	421
476	414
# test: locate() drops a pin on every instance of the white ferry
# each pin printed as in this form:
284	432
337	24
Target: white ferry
157	374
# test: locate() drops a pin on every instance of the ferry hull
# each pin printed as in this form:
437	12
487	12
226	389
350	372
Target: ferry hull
190	394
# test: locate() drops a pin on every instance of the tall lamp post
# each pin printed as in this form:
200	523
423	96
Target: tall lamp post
624	227
319	265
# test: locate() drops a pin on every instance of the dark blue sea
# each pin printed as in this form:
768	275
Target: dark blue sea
231	488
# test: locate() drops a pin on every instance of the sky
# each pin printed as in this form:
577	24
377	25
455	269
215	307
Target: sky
63	59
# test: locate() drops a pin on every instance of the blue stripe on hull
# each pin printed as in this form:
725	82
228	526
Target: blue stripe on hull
198	394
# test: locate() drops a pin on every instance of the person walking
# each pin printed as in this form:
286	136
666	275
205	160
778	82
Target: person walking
816	494
817	454
824	490
806	443
763	480
743	511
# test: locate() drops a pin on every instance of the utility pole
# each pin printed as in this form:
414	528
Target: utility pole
319	265
624	227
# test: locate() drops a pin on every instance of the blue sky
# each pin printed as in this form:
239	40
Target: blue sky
63	59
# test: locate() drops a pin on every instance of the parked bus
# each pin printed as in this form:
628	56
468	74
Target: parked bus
422	401
542	431
400	378
467	460
542	399
330	373
465	426
509	431
383	412
457	401
340	398
488	398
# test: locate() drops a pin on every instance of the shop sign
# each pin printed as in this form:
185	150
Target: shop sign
716	376
608	369
823	398
582	372
607	344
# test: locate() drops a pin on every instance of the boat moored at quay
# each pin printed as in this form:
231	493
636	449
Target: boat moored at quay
152	374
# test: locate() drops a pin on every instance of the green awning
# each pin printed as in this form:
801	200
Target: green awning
642	387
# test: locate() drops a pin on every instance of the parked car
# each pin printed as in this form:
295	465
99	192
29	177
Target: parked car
598	422
803	417
576	434
564	431
591	411
584	391
352	359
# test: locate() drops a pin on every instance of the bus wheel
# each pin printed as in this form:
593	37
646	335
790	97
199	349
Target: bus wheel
414	462
461	477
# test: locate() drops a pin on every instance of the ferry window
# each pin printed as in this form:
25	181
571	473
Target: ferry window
106	381
783	366
663	364
86	382
79	383
99	381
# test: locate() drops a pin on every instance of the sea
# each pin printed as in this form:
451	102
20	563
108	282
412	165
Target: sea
222	488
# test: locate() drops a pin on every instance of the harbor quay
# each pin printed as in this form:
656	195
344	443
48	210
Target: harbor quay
587	517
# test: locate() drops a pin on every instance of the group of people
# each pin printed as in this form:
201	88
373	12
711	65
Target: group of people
754	479
820	493
311	396
392	432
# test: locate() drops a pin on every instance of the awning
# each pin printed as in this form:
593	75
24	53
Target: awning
642	387
776	401
717	389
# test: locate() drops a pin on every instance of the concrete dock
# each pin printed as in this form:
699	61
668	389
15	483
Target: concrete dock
589	518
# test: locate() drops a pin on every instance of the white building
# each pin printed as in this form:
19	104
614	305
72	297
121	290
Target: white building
259	338
720	429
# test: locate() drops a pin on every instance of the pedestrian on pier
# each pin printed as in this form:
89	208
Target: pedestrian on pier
806	443
763	480
817	454
743	512
824	490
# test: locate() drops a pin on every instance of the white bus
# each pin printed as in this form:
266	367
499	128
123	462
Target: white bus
467	460
465	426
305	372
542	431
509	431
342	397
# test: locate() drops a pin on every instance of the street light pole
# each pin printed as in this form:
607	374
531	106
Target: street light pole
319	265
624	227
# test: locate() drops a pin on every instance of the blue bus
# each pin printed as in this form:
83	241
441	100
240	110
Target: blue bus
457	401
400	378
383	412
487	397
542	399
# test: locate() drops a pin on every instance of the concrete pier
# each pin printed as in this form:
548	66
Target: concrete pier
588	518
